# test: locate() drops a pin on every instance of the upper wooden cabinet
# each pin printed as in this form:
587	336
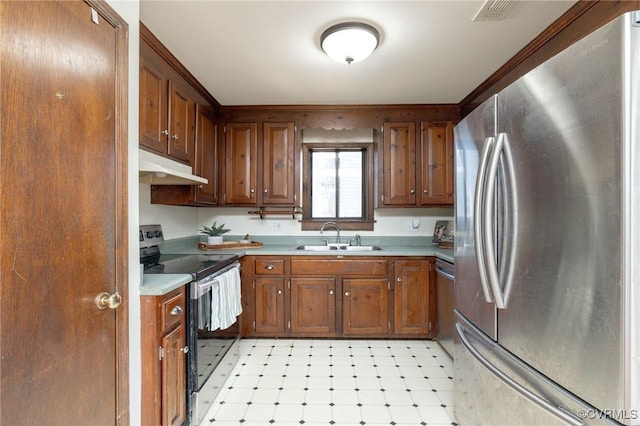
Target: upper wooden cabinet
436	147
259	173
399	164
167	111
278	172
153	109
417	174
241	166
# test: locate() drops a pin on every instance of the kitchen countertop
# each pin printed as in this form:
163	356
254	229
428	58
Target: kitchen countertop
159	284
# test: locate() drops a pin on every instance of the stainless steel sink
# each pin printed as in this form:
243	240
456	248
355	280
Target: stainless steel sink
317	248
337	248
362	248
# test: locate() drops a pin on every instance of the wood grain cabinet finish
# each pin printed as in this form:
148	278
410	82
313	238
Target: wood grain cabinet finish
167	110
417	173
313	306
269	305
153	120
411	297
329	296
164	376
365	306
182	123
241	166
260	164
436	147
278	175
399	164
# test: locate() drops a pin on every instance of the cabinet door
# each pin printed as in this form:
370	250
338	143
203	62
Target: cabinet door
313	306
182	124
437	163
399	164
269	297
154	129
174	377
411	299
365	306
241	152
278	164
206	156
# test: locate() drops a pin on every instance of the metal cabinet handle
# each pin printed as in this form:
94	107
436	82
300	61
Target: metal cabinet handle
175	136
176	311
346	293
105	300
164	132
266	190
399	279
252	190
425	191
268	267
185	349
413	191
330	291
279	291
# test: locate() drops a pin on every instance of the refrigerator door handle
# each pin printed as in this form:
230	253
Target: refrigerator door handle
478	204
559	412
488	224
509	249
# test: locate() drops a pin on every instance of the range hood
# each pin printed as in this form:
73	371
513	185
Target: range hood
157	170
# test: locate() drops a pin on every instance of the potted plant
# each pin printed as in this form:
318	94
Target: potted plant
214	233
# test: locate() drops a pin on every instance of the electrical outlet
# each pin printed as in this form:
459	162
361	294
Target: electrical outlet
275	224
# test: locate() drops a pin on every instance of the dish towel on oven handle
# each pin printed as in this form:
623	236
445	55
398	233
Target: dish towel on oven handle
226	299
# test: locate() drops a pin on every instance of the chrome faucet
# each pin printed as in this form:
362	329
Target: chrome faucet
335	225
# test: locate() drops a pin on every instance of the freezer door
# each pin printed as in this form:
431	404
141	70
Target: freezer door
492	387
471	136
563	122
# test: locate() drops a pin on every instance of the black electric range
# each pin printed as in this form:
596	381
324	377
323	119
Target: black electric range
197	265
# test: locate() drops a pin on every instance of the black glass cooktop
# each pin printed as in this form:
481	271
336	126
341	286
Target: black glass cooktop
198	265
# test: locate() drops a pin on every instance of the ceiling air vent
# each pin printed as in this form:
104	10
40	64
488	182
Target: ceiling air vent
494	10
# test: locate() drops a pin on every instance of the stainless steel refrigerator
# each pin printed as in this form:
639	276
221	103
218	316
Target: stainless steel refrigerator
547	245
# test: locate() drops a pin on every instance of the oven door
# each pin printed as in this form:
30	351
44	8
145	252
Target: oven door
213	354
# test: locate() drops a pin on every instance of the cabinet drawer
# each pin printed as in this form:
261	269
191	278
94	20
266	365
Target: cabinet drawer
172	309
353	266
269	267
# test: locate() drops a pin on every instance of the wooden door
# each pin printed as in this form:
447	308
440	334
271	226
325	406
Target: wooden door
399	163
241	153
313	306
153	115
181	125
411	299
269	297
278	164
63	171
365	306
437	163
174	375
206	156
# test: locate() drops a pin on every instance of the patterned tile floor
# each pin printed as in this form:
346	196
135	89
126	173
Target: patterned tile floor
287	382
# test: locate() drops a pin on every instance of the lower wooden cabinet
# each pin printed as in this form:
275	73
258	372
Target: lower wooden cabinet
164	362
411	297
313	306
333	296
365	306
269	305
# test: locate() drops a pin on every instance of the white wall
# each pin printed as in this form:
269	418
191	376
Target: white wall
185	221
176	221
129	10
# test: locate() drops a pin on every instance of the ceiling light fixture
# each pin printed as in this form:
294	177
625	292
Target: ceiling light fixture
349	41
